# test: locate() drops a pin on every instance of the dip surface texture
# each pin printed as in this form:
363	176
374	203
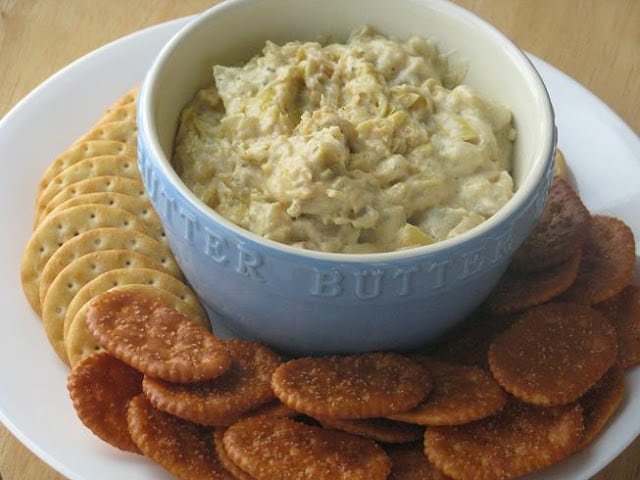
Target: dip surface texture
367	146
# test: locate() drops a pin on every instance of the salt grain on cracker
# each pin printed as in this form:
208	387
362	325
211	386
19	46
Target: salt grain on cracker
80	343
623	311
558	233
519	440
182	448
607	264
554	353
243	387
272	447
156	339
100	388
366	385
461	394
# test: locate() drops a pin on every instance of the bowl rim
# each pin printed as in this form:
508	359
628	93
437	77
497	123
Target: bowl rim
148	140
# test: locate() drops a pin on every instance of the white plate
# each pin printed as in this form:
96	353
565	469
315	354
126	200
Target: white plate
604	155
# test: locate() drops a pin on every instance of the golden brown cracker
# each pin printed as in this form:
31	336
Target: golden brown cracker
117	165
623	311
79	152
103	183
155	338
119	112
273	447
100	388
243	387
461	394
227	463
366	385
468	344
125	276
607	264
600	403
519	440
80	343
554	353
139	206
125	131
182	448
72	278
107	238
558	233
61	227
516	291
381	430
560	167
410	463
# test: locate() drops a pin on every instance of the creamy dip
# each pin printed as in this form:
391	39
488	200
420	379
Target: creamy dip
368	146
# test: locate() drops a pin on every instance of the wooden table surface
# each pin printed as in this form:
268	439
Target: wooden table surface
597	42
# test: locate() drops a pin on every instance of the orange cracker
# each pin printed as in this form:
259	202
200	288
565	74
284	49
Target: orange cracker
600	403
126	276
608	260
273	408
519	440
227	463
623	311
182	448
364	385
100	388
517	291
272	447
243	387
558	233
410	463
154	338
469	343
78	340
460	394
379	429
554	353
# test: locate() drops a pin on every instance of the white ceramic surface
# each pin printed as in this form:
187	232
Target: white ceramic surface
603	153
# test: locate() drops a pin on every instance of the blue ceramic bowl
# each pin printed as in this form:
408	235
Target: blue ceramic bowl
308	302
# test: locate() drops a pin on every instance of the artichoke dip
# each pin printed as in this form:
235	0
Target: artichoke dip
368	146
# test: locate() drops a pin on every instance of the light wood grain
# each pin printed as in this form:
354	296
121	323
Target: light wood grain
597	42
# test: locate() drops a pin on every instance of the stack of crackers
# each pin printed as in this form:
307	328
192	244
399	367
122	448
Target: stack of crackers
531	377
95	230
